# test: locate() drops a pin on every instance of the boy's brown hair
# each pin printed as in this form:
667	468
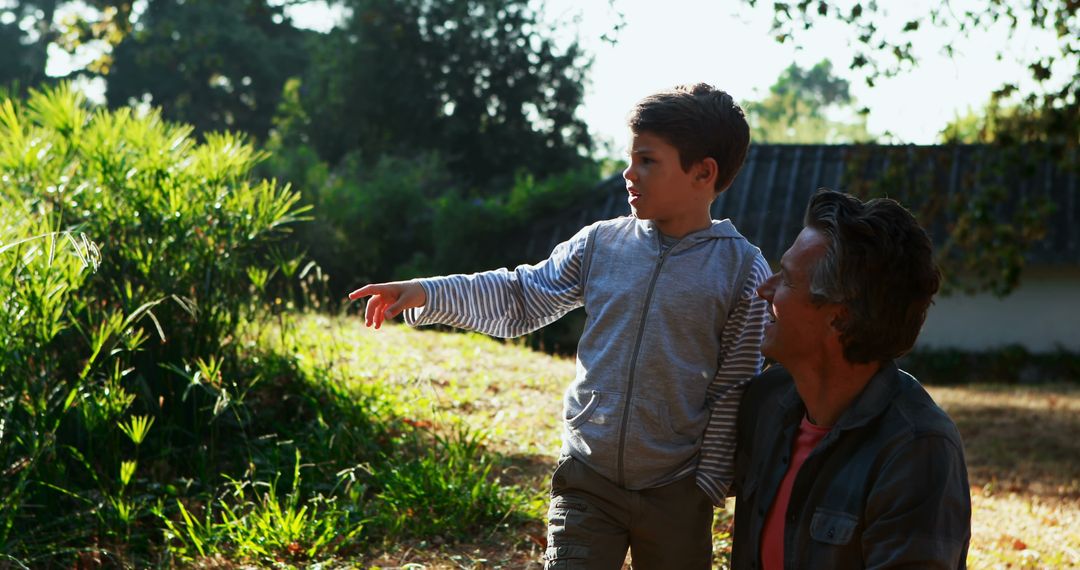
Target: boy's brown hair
701	122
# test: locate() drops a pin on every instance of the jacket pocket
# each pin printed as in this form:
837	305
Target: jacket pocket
833	527
656	444
583	416
652	420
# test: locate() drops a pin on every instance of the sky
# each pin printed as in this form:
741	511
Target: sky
728	44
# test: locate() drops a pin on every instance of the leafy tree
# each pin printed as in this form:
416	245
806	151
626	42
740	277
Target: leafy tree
480	82
24	38
986	242
1051	111
216	64
798	105
995	123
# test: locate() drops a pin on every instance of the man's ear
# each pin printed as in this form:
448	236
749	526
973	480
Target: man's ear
839	318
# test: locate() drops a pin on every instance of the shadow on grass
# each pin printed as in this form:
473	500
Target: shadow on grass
528	470
1019	439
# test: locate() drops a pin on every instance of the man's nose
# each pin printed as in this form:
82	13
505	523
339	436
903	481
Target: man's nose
765	290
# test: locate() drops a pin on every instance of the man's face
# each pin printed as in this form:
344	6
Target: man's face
659	189
798	330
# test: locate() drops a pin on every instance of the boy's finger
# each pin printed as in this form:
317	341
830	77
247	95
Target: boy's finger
364	292
379	315
372	309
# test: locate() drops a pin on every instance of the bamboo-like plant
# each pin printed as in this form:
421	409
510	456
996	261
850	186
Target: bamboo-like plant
124	249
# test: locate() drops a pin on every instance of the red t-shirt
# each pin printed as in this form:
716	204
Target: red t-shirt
772	535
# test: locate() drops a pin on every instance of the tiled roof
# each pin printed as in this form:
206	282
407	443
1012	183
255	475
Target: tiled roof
767	199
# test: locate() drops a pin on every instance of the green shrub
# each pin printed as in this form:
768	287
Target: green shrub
396	217
473	234
127	252
142	421
1006	365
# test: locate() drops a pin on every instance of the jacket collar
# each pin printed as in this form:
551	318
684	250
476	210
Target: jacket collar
878	394
718	230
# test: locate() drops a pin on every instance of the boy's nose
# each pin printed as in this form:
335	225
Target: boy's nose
628	173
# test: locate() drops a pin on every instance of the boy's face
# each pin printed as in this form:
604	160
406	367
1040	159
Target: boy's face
660	190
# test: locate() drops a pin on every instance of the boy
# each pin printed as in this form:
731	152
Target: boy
672	335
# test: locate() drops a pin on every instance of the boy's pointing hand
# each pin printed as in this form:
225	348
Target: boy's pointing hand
388	300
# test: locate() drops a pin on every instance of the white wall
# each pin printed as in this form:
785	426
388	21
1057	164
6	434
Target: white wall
1042	314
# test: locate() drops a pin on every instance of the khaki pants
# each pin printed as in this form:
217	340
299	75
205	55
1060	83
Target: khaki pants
592	522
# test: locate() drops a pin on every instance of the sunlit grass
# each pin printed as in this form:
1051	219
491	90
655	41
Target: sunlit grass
439	381
1021	444
1023	455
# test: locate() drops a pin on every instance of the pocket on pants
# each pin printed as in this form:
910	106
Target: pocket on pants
558	477
564	516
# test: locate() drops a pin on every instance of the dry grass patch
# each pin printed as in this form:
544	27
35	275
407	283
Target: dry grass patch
1023	454
1022	443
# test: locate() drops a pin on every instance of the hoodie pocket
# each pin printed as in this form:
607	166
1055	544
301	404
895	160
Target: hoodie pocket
597	422
651	434
582	416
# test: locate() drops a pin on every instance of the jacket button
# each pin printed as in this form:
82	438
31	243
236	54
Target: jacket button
761	512
784	460
791	518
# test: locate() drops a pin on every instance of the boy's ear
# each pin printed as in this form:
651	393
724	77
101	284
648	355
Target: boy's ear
706	171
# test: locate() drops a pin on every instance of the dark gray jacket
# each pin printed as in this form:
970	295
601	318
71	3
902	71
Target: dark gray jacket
886	488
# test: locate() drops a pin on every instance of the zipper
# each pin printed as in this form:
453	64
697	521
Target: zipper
637	351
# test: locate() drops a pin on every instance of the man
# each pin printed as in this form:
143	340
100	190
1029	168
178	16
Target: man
843	460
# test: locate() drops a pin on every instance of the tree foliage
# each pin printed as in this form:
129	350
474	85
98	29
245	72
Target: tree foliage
214	64
799	105
24	40
1050	112
481	82
986	243
457	100
986	124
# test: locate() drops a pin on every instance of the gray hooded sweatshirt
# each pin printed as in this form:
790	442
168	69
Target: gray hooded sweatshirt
671	336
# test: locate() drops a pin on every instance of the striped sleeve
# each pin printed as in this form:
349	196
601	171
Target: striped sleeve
506	303
740	360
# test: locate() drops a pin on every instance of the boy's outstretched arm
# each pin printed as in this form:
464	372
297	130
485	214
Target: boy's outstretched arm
388	300
501	302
